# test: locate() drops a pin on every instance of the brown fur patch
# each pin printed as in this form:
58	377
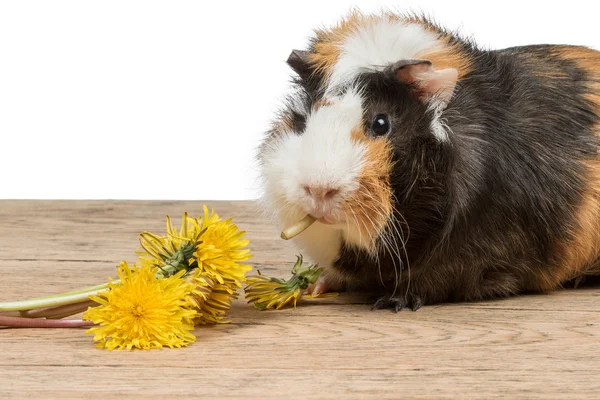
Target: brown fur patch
327	48
448	56
281	124
580	255
372	203
285	123
329	41
589	61
320	103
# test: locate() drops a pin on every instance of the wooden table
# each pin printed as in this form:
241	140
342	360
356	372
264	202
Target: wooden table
537	346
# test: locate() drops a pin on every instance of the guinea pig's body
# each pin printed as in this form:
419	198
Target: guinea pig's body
439	171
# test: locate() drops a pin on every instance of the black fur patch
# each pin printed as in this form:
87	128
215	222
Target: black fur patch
486	209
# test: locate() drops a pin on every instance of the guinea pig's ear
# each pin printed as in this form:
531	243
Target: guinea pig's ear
299	62
431	83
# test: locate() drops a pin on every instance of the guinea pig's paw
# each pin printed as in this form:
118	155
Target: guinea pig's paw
397	303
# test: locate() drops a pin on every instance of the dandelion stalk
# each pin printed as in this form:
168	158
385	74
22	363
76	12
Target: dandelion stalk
31	304
57	312
298	227
76	291
20	322
25	307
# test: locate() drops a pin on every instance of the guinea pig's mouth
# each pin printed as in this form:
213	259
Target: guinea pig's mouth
327	220
324	216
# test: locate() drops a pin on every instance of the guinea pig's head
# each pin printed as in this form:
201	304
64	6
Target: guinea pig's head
343	147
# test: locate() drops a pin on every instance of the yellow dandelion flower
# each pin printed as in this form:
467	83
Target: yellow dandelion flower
174	251
143	310
211	250
203	286
215	308
215	246
213	299
222	251
266	292
206	293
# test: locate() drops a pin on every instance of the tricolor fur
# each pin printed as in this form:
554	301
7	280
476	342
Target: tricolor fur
487	184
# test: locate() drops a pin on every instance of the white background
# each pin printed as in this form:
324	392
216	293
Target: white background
170	99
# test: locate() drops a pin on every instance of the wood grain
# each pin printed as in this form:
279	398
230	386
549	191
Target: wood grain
537	346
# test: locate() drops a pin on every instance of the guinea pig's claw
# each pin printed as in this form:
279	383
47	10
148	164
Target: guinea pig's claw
396	303
416	303
382	302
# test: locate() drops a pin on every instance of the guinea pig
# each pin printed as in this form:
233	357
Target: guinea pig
438	171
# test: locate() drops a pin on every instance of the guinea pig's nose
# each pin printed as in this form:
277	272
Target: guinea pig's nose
321	193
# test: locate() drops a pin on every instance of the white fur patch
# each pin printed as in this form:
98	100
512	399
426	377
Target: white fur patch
324	154
377	45
438	125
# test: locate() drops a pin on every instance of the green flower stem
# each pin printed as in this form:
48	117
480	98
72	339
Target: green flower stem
77	291
52	312
18	322
67	314
58	312
32	304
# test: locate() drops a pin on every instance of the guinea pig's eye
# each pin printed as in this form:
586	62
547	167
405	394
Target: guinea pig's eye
381	125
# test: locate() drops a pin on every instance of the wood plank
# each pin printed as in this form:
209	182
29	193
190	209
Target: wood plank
535	346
